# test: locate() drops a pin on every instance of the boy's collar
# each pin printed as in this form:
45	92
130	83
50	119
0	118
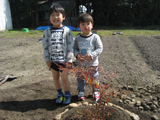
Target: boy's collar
86	36
57	28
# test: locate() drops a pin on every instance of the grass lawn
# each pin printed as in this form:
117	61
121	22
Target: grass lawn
101	32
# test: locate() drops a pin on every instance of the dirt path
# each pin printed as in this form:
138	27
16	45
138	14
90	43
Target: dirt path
32	95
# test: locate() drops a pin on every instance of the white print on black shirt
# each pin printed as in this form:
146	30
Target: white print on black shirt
57	46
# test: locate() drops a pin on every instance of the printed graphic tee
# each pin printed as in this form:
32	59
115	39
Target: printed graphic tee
57	45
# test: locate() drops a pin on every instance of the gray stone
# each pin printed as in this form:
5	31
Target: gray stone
130	88
123	97
58	117
156	103
140	108
151	97
146	94
128	98
149	103
141	95
73	105
120	101
134	116
133	100
85	103
143	103
127	101
138	103
133	96
146	107
153	107
131	103
154	117
138	94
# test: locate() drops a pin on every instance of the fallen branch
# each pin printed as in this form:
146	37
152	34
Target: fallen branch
4	80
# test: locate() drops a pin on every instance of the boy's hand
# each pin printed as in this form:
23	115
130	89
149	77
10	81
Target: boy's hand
68	65
80	57
88	57
48	64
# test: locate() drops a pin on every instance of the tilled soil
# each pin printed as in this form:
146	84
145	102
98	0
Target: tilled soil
32	94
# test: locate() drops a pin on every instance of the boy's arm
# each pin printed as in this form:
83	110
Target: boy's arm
75	48
69	47
46	53
99	48
48	64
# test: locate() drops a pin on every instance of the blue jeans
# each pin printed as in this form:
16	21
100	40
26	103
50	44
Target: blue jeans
93	73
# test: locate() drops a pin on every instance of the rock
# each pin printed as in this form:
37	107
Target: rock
146	94
153	107
79	104
123	97
154	117
146	107
143	103
120	101
85	103
130	88
155	98
58	117
156	104
138	94
131	103
125	87
90	104
150	97
127	101
128	98
141	108
138	103
141	95
133	100
134	116
73	105
146	100
149	103
133	96
140	87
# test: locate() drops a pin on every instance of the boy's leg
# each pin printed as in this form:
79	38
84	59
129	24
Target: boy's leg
64	78
81	84
56	76
67	95
60	95
81	88
95	74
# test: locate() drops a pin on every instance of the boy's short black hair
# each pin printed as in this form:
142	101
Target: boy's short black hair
55	7
84	18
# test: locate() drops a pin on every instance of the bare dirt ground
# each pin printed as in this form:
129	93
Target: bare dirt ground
32	94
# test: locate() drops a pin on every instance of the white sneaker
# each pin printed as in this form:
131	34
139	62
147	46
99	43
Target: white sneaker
96	95
81	96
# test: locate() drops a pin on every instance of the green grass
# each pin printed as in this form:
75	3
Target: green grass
101	32
128	32
20	34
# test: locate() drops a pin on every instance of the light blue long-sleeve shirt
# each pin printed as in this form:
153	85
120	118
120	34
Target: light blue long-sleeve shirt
88	45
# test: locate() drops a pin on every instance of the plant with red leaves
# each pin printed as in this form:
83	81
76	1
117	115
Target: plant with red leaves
107	92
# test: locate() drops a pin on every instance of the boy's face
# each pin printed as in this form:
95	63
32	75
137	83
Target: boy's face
86	28
56	18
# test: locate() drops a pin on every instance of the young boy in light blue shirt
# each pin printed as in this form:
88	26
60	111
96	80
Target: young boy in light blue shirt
87	48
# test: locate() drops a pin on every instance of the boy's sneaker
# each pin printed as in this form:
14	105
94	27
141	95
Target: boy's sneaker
59	99
67	98
81	96
96	95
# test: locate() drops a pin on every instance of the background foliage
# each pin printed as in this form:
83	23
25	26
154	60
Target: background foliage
105	12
